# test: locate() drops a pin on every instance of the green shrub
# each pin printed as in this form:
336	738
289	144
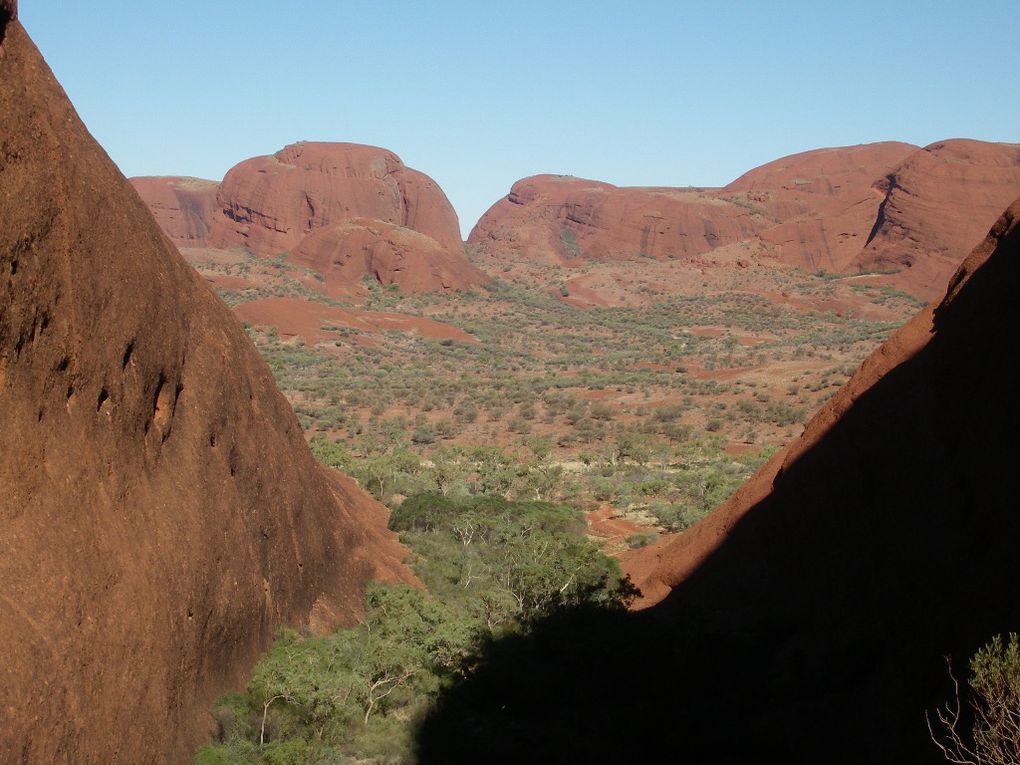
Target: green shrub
994	735
634	541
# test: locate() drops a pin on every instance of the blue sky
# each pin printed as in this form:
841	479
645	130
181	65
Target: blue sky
478	95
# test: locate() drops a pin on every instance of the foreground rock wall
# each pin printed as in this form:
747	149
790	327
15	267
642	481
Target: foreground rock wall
160	513
880	541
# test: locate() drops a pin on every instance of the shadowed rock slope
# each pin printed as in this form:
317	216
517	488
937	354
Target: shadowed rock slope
160	514
805	620
883	538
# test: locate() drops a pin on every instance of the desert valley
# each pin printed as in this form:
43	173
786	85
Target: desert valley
294	473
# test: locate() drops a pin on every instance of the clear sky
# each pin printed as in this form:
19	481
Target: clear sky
480	94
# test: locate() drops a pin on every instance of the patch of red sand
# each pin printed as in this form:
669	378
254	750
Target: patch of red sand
317	322
605	524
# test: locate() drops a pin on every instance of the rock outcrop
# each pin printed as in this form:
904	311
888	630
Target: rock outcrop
889	207
393	255
183	207
160	513
271	204
823	203
556	219
808	619
937	204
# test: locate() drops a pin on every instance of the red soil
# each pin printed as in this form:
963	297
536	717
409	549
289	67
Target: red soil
605	524
294	317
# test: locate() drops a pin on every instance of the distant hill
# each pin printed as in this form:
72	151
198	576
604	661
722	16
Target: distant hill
344	210
890	208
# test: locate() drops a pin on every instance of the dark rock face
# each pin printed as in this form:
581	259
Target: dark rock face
160	513
807	619
885	537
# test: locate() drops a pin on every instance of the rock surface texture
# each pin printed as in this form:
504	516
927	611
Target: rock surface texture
937	204
821	204
884	207
272	204
183	207
564	220
160	513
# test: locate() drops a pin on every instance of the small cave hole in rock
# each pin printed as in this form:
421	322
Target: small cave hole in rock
14	267
63	364
102	399
127	354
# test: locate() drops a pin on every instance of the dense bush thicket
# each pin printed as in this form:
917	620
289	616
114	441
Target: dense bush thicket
491	566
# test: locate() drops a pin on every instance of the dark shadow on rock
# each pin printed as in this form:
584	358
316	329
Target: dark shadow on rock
8	12
817	631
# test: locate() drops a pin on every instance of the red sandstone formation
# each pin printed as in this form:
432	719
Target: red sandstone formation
345	252
936	204
561	219
822	202
886	207
183	207
272	204
918	211
818	180
160	513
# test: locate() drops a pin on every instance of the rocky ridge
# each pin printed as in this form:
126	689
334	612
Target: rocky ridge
890	209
